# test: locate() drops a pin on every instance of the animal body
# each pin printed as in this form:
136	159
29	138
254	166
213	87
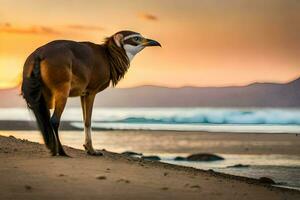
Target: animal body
64	68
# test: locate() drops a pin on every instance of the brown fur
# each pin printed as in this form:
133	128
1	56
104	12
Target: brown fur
64	68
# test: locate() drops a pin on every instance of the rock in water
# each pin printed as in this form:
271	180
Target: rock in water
239	166
204	157
179	158
153	158
131	153
266	180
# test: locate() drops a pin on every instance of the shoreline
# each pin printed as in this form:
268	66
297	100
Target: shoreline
172	142
28	165
23	125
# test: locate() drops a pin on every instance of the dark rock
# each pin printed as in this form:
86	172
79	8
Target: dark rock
123	180
101	177
153	158
131	153
266	180
195	186
28	187
179	158
204	157
239	166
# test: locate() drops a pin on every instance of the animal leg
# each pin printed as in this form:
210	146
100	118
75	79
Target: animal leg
60	103
87	108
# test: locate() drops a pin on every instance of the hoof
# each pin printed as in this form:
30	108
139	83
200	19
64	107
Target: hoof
92	152
95	153
52	146
63	154
53	152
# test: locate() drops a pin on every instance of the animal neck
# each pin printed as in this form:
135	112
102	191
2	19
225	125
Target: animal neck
129	56
118	61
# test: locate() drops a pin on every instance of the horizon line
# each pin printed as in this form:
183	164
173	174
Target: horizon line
185	86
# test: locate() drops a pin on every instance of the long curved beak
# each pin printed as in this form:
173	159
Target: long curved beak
150	42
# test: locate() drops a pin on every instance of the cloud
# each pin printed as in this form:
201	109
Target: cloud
148	16
9	28
85	27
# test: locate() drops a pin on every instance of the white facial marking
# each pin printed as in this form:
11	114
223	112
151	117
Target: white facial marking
131	50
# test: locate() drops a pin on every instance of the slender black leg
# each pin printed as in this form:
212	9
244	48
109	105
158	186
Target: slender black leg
55	124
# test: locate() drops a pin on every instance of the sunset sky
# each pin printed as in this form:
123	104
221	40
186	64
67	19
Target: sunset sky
205	42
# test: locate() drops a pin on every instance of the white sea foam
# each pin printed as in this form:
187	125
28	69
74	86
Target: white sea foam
181	119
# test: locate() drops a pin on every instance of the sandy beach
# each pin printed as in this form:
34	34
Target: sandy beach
28	172
149	100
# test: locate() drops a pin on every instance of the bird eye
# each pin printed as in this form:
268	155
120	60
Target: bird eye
136	39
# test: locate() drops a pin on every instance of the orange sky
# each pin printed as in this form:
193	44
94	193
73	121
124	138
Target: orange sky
205	42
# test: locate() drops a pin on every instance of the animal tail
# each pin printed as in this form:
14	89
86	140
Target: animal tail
32	93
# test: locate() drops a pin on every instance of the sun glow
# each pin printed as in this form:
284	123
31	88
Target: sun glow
203	43
10	72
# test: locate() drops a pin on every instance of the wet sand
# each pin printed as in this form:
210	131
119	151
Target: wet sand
27	171
172	142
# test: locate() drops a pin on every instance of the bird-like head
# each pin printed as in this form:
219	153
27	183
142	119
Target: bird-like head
132	42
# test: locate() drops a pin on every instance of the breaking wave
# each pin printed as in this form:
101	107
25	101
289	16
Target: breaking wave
208	116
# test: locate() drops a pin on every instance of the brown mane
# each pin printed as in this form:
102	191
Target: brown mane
118	60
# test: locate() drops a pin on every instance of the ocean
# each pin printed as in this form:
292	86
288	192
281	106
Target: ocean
258	120
187	122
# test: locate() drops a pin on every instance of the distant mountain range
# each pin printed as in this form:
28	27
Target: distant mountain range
253	95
